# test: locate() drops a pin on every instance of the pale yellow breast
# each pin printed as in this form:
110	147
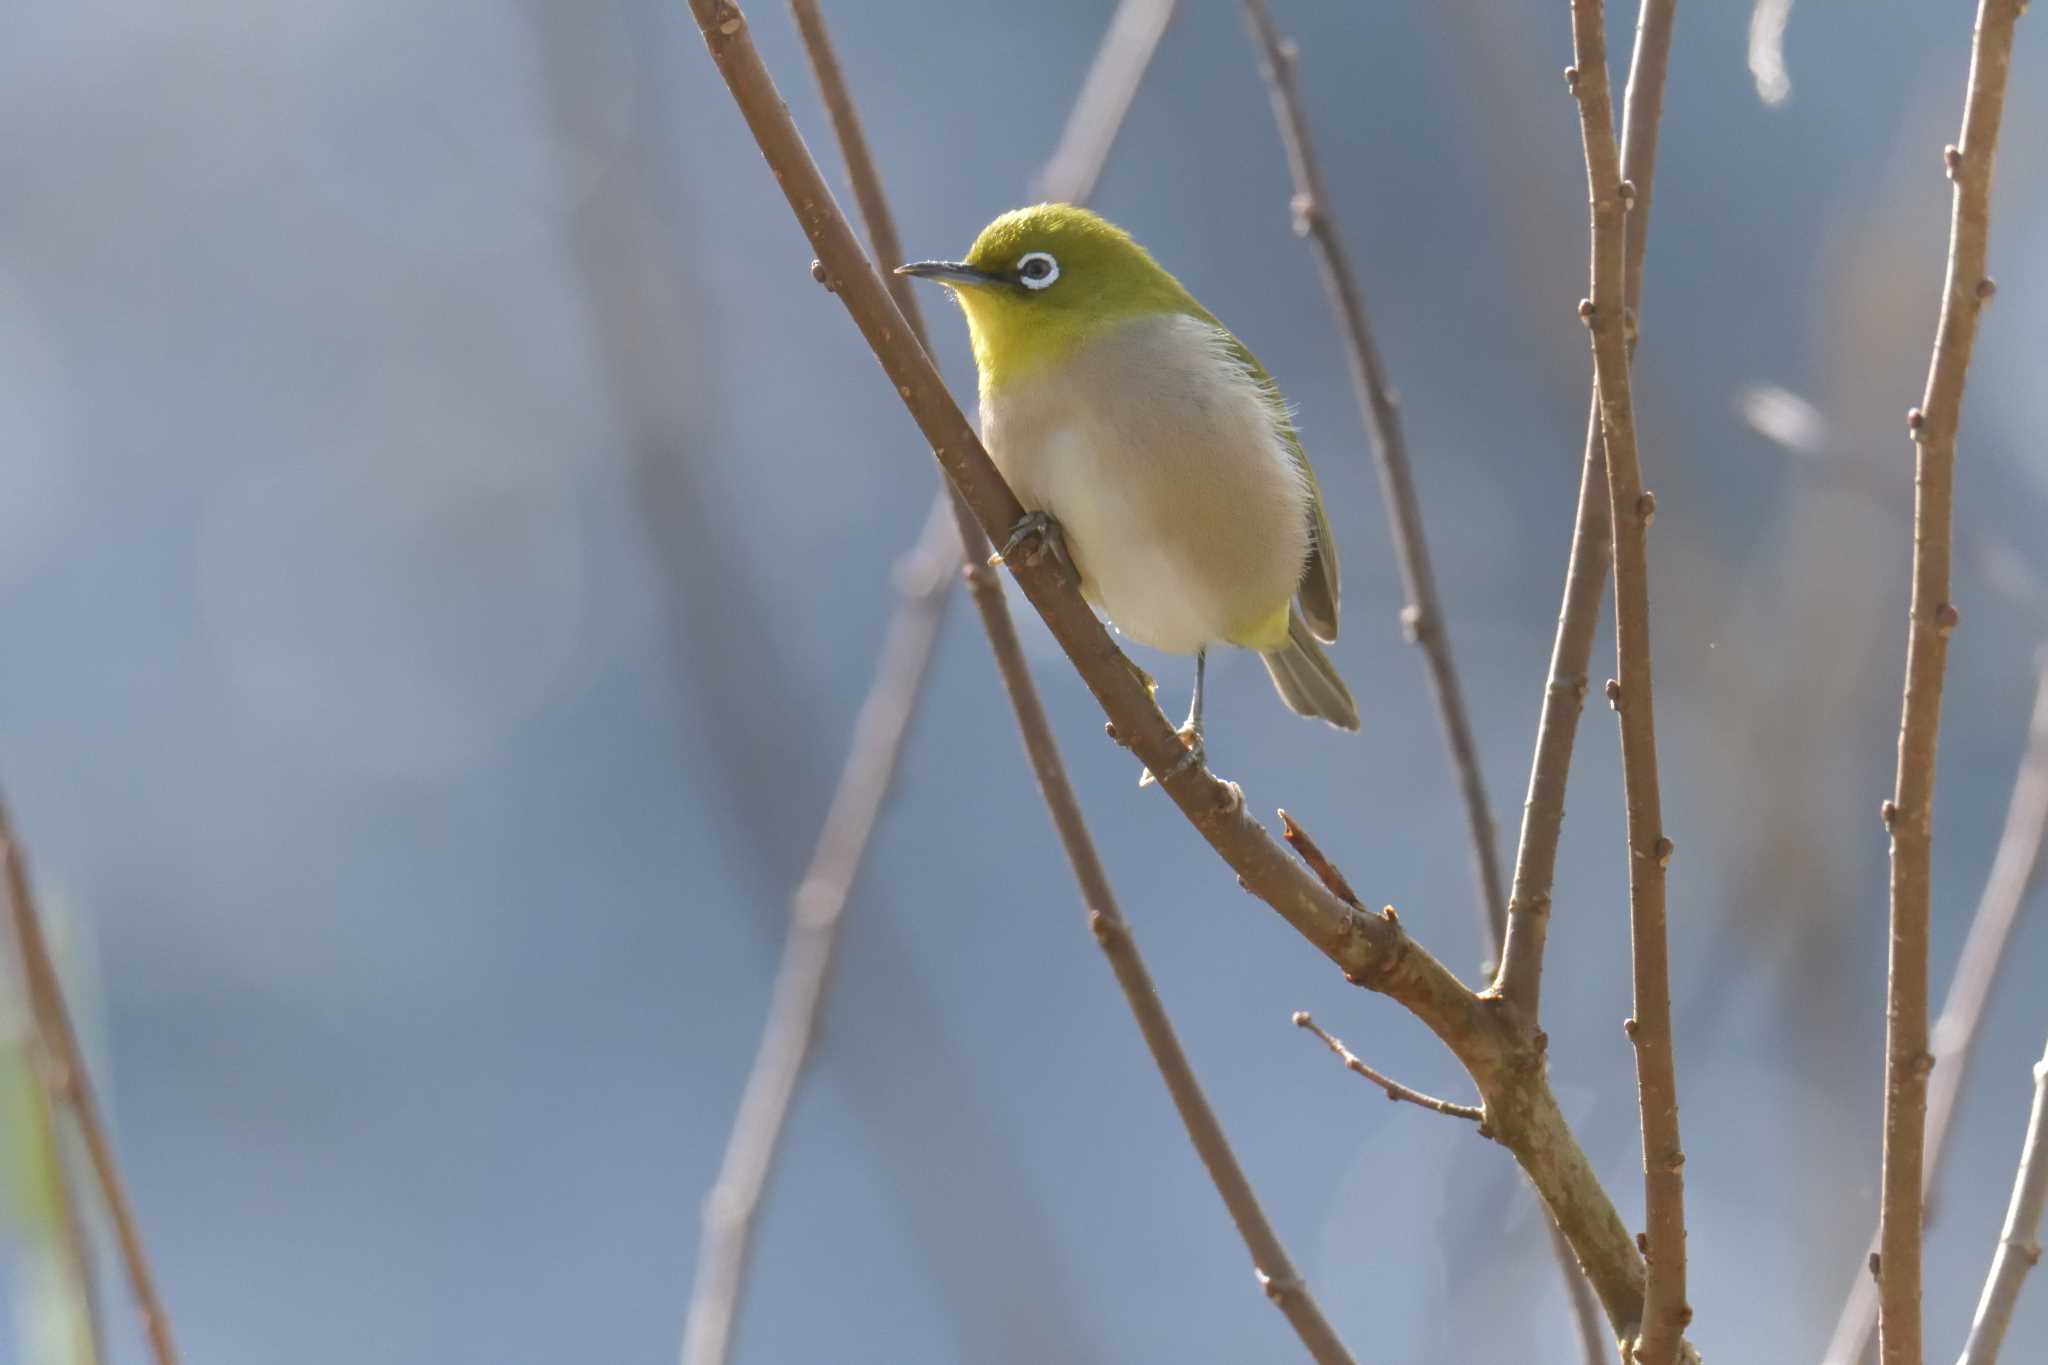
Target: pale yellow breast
1165	463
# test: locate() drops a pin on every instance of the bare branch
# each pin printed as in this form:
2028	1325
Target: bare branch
1977	970
1106	92
1423	616
69	1086
821	900
1521	973
1630	508
1504	1059
1910	812
1276	1273
70	1249
2019	1244
804	973
1393	1088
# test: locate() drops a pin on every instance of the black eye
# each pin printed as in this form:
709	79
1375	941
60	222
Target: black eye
1037	269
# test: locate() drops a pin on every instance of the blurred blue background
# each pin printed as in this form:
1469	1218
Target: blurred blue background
444	537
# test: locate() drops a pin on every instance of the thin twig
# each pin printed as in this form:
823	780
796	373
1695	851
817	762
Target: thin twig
2019	1243
1665	1312
1275	1271
1977	970
1393	1088
1503	1057
1099	110
69	1086
1521	973
1423	615
1318	862
804	973
1283	1285
1910	812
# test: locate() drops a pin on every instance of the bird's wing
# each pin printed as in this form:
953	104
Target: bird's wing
1318	590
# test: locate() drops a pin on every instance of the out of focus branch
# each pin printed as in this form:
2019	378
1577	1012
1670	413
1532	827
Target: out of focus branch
1503	1056
1423	616
2019	1242
1630	508
1106	93
1977	969
63	1073
70	1248
1276	1272
804	974
1910	812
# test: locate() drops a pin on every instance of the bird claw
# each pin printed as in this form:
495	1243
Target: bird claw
1196	755
1032	539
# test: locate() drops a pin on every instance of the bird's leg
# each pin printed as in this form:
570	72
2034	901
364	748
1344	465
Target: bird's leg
1050	540
1190	731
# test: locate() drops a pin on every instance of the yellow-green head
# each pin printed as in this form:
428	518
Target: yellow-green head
1043	280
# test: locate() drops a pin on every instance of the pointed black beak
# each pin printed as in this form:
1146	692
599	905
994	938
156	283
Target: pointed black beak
952	274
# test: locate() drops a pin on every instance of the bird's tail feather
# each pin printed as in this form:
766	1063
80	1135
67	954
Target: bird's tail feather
1306	679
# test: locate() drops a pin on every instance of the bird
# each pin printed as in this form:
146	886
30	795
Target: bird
1154	456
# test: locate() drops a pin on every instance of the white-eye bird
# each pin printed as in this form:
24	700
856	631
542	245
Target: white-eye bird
1152	449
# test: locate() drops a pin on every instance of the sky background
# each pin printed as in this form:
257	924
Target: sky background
445	535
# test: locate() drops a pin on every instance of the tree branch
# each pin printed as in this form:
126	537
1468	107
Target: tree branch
1283	1285
69	1086
1665	1312
1521	973
2019	1244
1393	1088
1423	616
70	1250
803	976
821	901
1276	1273
1503	1058
1099	110
1977	970
1910	812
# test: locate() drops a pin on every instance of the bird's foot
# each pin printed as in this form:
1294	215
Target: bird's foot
1197	754
1032	539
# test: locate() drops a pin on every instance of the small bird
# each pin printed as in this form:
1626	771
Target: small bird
1151	450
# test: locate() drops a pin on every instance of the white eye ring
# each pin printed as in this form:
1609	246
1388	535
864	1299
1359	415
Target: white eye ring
1037	270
